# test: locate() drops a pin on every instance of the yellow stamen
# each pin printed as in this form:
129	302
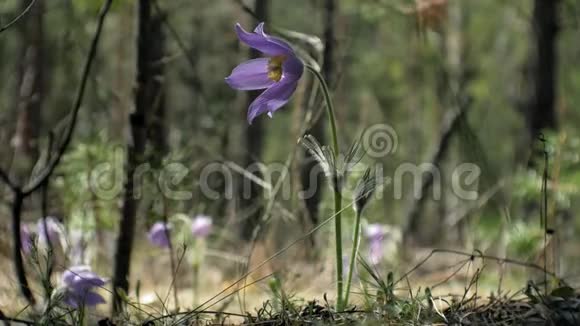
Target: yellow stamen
275	67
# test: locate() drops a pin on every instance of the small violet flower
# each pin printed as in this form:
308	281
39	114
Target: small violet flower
79	283
278	74
375	234
26	239
158	234
54	230
201	226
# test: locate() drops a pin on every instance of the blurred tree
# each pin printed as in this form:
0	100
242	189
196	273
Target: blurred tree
452	92
312	176
31	86
156	122
148	97
250	192
542	68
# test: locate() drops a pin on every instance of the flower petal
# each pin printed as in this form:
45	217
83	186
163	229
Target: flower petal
272	99
292	68
201	226
250	75
93	299
158	234
260	30
262	42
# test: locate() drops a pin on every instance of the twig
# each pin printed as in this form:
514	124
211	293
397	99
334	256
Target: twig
473	256
37	182
6	179
21	193
17	18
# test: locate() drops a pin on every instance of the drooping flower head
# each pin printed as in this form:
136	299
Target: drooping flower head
79	283
278	73
158	234
53	229
375	234
201	226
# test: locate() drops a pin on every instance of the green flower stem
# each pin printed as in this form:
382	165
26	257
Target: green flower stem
355	246
337	194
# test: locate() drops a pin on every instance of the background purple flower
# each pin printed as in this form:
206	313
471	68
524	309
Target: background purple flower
278	74
158	234
54	230
79	283
375	234
201	226
26	238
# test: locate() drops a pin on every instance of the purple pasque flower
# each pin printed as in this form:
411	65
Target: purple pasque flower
158	234
54	231
278	73
26	239
201	226
375	234
79	283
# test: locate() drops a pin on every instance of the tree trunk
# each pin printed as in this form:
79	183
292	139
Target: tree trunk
541	111
311	174
17	254
251	193
157	128
454	76
30	88
145	97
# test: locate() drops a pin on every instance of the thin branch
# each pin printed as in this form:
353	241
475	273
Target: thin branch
6	179
174	34
15	20
474	255
37	182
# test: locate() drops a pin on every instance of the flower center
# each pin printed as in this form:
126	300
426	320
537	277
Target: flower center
275	67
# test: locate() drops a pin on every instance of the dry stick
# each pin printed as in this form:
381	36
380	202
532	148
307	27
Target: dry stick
17	18
17	254
171	257
473	256
44	210
6	179
544	210
175	268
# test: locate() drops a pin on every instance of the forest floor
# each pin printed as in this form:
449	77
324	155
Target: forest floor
432	289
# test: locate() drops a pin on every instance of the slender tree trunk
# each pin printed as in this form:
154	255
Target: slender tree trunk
145	97
157	125
29	103
30	88
251	193
123	71
455	76
311	174
17	254
541	110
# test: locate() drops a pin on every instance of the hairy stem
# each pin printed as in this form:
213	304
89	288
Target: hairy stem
355	246
337	193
